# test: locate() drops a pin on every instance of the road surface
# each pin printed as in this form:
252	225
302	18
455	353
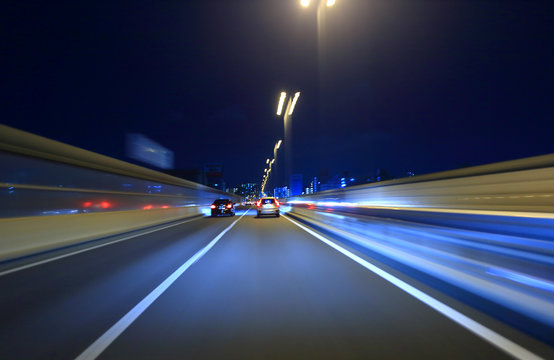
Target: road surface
229	288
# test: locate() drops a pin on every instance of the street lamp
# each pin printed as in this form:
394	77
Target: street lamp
294	102
281	102
323	11
287	117
275	148
328	3
290	105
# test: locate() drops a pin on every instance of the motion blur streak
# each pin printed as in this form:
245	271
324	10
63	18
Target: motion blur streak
94	350
496	339
523	279
525	185
117	240
514	271
485	232
481	239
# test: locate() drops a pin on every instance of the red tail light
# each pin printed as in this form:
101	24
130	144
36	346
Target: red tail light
213	206
276	202
229	206
259	203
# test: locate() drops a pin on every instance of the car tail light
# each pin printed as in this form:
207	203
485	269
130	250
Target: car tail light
213	206
276	202
229	206
259	203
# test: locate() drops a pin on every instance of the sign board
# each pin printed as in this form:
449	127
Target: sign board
141	148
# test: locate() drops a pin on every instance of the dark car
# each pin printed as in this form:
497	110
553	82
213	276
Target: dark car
223	207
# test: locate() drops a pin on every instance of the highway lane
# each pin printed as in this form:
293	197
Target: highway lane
55	310
267	289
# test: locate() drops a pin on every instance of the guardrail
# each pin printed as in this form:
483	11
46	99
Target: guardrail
485	234
54	194
519	185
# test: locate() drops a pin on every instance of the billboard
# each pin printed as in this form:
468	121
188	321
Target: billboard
141	148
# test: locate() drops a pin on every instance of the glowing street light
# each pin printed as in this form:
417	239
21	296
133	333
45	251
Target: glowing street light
294	102
267	161
306	3
291	104
281	102
287	117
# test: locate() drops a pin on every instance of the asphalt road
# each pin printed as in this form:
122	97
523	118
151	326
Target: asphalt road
265	289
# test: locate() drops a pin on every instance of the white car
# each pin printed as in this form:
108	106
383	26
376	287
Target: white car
267	206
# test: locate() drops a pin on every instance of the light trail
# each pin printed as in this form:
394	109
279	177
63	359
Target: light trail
478	329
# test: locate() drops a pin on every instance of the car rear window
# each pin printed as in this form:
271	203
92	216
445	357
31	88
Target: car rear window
222	201
268	201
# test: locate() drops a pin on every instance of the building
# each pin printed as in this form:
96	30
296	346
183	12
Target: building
333	182
248	191
194	175
296	184
281	192
213	173
314	185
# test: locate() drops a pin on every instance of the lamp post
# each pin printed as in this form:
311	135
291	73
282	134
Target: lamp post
287	119
323	60
272	164
320	18
267	170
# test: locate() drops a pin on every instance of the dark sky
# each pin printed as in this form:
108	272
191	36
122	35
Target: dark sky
402	85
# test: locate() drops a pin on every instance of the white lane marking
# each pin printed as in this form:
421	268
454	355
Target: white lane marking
489	335
91	248
97	347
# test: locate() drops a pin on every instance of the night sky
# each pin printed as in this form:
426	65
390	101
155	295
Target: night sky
409	85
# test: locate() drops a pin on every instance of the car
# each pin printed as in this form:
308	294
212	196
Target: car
223	207
267	206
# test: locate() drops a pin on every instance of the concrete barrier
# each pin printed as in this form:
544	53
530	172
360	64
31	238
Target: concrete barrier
525	185
35	234
484	233
55	195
